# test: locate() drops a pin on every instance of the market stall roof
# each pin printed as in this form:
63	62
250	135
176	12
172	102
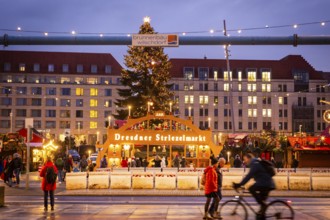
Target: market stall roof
237	136
37	138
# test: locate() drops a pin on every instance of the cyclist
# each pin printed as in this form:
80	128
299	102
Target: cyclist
263	181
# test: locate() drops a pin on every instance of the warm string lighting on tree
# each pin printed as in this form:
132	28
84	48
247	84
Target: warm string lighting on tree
145	79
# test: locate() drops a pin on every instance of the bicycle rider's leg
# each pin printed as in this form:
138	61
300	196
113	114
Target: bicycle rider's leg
258	195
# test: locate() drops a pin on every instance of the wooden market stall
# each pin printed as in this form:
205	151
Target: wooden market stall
160	135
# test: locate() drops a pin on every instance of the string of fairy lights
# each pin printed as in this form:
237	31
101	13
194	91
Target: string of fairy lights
239	31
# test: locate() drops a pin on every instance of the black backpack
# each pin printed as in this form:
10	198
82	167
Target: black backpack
50	175
268	166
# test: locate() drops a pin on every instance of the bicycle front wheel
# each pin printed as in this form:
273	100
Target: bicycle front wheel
233	210
279	210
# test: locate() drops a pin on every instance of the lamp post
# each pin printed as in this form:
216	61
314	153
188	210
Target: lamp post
171	107
109	121
11	122
300	126
228	155
129	111
97	137
189	111
209	123
149	104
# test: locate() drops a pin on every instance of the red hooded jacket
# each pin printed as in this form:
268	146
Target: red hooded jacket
44	185
211	183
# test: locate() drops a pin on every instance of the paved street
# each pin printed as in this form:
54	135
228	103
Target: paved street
121	207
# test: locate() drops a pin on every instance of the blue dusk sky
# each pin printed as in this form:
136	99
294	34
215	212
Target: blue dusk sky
125	16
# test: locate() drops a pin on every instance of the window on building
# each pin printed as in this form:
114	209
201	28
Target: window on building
215	75
65	80
252	76
318	113
226	112
206	112
80	125
216	100
285	113
92	80
21	101
51	124
51	68
188	99
240	125
65	91
280	113
108	103
21	112
239	75
93	103
21	90
65	124
186	87
36	90
252	100
108	92
225	125
226	87
240	100
239	87
35	113
93	92
93	114
65	102
79	80
107	69
80	68
79	91
7	67
301	77
5	112
188	73
175	87
203	99
79	113
265	76
252	87
250	125
19	124
50	91
37	124
6	101
226	76
21	67
266	125
284	88
266	112
9	79
93	68
79	103
51	113
285	100
266	87
240	113
65	68
280	126
93	124
201	112
203	73
216	125
36	67
280	100
216	87
65	114
252	112
50	102
36	102
216	112
225	100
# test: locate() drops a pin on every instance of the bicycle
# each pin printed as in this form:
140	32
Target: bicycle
236	209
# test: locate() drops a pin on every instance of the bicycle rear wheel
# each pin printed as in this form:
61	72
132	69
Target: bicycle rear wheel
279	210
233	210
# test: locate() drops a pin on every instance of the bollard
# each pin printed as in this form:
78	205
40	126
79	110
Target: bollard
2	196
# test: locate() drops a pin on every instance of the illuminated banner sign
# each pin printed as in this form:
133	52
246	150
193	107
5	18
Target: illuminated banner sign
159	138
155	40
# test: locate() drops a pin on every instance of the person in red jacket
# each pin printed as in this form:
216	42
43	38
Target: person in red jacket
124	162
47	172
211	187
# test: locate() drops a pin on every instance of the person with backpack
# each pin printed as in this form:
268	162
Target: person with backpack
104	162
262	172
60	166
17	167
48	174
210	182
83	164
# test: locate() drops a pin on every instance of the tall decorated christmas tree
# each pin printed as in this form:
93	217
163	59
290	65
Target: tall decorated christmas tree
145	79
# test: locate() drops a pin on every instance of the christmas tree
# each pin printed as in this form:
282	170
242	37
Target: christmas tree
145	79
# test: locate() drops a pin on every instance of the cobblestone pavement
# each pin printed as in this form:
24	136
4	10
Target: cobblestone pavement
305	209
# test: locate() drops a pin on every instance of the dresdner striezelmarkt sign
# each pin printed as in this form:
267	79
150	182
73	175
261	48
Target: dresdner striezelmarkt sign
160	138
155	40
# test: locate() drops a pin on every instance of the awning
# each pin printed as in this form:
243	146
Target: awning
240	136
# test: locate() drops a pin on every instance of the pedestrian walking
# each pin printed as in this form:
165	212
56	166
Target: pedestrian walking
237	162
48	174
17	168
183	162
210	182
157	161
60	168
124	162
83	164
104	162
214	206
9	169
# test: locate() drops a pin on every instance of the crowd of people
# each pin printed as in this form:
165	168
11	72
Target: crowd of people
10	169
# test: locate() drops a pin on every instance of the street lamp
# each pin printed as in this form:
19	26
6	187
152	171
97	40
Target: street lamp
11	122
189	111
149	104
129	111
209	119
109	121
300	126
171	107
228	155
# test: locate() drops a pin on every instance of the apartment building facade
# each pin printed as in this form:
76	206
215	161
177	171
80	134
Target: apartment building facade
75	93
